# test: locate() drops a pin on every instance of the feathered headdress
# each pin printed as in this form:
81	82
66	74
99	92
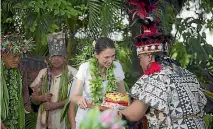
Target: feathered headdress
16	44
150	38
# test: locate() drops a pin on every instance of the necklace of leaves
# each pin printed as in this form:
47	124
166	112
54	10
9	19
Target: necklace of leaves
64	80
12	104
96	86
46	84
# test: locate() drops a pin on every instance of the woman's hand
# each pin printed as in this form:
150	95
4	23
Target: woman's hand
103	108
82	103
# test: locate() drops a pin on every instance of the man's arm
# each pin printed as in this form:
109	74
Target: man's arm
60	104
26	98
36	96
2	125
71	115
54	105
135	111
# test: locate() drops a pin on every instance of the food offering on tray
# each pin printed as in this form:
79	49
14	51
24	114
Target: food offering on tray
115	100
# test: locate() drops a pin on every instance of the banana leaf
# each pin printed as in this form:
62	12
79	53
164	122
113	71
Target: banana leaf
65	111
208	118
31	119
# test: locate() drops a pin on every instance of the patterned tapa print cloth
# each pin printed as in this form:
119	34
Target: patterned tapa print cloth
174	98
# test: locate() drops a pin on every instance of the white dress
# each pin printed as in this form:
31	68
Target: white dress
54	115
83	74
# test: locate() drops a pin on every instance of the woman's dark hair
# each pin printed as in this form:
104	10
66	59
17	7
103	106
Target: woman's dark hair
103	43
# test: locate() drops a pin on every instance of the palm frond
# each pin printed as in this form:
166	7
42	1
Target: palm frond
31	119
102	16
94	13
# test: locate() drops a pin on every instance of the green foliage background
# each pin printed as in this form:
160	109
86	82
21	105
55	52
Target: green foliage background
94	18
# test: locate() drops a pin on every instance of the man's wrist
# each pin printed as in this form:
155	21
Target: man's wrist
56	105
42	97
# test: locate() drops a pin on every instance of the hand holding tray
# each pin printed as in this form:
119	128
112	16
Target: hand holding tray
101	108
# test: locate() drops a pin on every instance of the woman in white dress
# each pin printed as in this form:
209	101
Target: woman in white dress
99	75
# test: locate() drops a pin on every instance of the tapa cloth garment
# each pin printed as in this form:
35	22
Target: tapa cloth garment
175	100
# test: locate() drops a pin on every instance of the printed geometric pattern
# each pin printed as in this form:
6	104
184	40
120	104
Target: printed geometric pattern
155	47
153	93
175	99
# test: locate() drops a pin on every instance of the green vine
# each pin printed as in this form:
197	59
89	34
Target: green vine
44	88
96	87
4	96
64	85
13	104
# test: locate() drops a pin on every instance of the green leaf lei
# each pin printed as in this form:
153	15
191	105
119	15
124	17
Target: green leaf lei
13	107
96	86
64	81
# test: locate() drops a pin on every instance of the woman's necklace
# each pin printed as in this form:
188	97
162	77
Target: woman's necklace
96	86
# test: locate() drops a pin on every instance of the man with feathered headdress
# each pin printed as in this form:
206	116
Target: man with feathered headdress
168	95
14	97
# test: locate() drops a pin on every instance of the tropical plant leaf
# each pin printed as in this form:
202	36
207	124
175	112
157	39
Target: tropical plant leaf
64	112
30	119
208	93
103	16
208	118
